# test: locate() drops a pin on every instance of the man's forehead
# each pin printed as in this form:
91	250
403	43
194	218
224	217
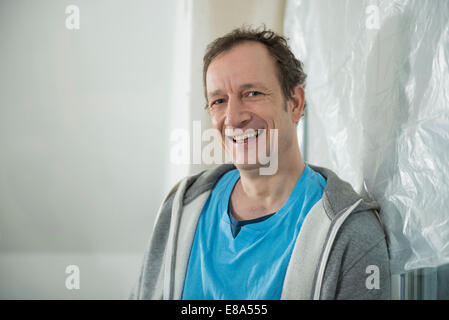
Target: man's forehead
249	56
245	66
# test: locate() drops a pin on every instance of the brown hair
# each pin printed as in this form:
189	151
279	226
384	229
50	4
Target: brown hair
290	70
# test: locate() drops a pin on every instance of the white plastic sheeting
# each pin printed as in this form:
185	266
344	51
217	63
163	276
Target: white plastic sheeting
378	111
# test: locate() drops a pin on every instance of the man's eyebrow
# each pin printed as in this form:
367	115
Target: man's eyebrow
241	87
253	85
214	93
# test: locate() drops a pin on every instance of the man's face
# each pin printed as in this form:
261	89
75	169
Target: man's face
244	96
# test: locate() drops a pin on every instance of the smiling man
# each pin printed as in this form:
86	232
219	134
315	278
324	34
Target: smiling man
235	232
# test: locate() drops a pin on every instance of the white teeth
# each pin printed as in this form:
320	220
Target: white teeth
244	136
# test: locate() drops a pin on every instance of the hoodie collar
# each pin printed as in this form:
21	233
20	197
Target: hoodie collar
338	194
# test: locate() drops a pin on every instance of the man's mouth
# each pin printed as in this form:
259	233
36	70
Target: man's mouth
243	138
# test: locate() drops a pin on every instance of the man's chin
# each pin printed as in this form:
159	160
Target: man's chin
247	166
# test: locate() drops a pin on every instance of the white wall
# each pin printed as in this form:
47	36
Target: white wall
83	142
41	275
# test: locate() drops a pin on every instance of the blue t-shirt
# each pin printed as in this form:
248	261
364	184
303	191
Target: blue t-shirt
253	264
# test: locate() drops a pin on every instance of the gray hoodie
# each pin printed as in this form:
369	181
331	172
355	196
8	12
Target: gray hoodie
340	253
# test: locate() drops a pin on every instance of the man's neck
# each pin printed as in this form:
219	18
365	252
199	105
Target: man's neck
256	195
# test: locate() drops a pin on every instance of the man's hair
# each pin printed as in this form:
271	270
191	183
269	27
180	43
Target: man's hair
289	69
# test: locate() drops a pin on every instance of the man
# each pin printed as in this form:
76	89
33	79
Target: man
232	232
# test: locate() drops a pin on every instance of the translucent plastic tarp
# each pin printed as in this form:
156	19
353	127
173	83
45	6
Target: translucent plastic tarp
378	111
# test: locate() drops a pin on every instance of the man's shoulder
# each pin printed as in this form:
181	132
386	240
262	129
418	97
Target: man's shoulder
360	235
360	245
339	194
200	182
362	229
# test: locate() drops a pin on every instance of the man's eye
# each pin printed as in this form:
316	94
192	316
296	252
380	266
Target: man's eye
254	93
218	101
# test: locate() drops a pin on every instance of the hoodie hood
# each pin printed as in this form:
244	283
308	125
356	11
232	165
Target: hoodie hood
337	197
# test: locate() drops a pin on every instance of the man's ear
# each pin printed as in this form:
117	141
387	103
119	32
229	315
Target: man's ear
297	102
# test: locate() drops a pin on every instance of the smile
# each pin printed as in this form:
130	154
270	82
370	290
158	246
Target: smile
245	137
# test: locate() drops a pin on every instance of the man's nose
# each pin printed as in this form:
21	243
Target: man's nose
236	115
